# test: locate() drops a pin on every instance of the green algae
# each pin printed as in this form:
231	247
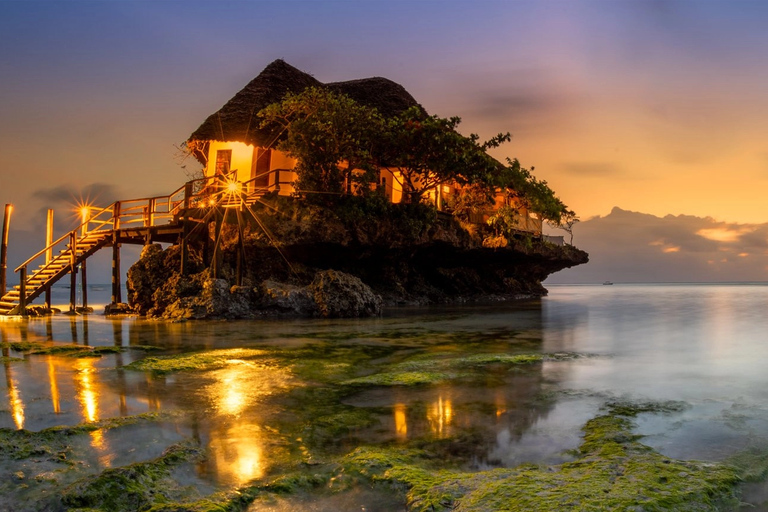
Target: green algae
7	360
426	369
68	349
134	487
52	442
614	471
197	361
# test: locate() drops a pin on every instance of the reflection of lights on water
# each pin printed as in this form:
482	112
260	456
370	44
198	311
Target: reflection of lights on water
440	416
100	445
401	424
55	398
86	393
17	406
237	453
229	389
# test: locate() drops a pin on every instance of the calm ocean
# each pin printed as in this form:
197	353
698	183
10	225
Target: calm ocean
703	345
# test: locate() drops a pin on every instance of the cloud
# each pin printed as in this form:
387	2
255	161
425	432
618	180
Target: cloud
94	193
627	246
597	169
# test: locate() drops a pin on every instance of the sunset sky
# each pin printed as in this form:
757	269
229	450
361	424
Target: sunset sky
653	106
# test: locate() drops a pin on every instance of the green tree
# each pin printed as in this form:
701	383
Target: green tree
428	151
330	135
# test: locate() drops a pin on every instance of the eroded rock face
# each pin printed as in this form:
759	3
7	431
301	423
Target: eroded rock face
331	294
285	298
343	295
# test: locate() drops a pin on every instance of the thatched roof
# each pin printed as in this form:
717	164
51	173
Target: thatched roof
237	121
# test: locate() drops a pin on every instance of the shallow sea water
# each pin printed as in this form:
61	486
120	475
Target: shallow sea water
705	345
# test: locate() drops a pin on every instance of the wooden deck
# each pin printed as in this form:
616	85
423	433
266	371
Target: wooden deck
169	219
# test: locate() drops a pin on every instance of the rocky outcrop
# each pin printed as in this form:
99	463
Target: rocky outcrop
308	260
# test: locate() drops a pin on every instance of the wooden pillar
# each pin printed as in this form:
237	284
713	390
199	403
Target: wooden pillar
72	271
116	288
184	245
23	291
240	249
4	248
84	283
215	260
48	252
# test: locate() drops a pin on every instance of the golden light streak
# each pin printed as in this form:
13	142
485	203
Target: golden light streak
17	406
668	250
401	424
86	392
55	398
440	417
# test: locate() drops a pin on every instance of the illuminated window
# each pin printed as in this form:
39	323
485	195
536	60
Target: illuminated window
223	160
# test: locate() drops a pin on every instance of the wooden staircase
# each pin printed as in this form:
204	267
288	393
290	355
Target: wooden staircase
59	266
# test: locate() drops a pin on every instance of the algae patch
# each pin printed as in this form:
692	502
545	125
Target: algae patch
198	361
613	471
135	487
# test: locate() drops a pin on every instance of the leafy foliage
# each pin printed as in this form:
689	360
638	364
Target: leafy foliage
428	151
341	144
330	134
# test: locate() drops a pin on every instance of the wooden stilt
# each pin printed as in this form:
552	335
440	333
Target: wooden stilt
215	261
184	247
72	272
23	291
240	249
84	283
116	287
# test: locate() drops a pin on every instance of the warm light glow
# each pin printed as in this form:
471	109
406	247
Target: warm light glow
85	388
401	424
17	406
743	254
212	202
233	187
237	453
670	249
723	234
440	417
55	399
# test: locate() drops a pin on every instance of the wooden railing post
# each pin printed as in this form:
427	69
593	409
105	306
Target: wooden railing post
151	212
187	194
23	291
116	215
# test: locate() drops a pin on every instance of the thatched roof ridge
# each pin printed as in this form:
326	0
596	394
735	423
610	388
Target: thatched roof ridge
237	121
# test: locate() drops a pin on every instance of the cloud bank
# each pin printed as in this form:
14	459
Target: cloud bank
627	246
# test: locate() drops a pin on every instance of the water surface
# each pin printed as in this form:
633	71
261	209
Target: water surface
702	345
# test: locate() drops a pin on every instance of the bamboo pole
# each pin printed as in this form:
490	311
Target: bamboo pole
4	248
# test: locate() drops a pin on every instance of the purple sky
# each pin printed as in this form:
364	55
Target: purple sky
658	107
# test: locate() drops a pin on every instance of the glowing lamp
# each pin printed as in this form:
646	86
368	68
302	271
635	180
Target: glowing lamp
232	187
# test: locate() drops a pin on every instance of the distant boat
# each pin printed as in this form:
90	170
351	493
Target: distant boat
607	282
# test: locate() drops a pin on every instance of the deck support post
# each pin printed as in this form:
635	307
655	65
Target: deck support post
240	249
84	284
215	260
4	248
48	252
116	288
23	291
184	246
72	271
